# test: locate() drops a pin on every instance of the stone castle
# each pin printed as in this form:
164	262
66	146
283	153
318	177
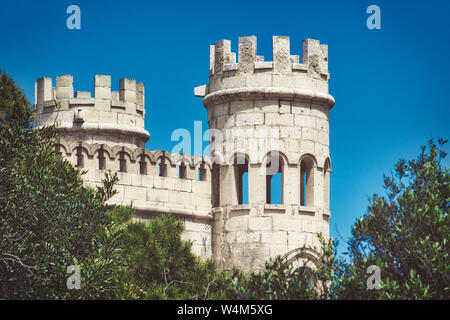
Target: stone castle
225	199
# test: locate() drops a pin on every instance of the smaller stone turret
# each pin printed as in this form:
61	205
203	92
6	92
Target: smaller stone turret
111	118
105	131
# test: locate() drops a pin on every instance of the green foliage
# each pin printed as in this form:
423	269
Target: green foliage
308	276
48	219
406	234
160	265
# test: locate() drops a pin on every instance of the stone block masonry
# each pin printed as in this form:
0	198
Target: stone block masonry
246	98
284	99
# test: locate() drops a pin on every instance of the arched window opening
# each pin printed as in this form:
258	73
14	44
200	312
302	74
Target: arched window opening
58	151
241	174
122	162
202	173
215	177
80	157
274	180
244	192
101	159
163	169
307	182
182	171
326	184
142	165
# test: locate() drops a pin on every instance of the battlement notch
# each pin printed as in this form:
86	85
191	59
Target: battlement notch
129	99
251	70
106	111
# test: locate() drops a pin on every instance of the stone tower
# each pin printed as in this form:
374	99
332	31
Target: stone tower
105	131
111	119
268	121
267	118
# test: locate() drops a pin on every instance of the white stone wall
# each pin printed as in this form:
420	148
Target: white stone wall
110	125
299	127
249	235
268	110
150	194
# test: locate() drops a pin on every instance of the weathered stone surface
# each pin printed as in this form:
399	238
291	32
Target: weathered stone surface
266	106
102	92
64	92
249	119
259	223
241	106
266	111
82	94
135	193
247	54
103	81
281	55
64	81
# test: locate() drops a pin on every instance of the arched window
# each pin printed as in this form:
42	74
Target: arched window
202	172
80	157
58	151
182	172
122	162
215	177
101	159
307	182
274	180
142	165
241	178
162	168
326	183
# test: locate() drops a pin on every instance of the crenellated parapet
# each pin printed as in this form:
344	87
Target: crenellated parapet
257	106
314	58
252	71
106	112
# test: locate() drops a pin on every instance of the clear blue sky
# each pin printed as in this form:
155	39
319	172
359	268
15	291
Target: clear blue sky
391	85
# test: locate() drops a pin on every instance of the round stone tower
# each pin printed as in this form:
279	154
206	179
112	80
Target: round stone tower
269	142
107	124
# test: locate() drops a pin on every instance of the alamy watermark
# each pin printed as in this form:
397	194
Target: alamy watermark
74	20
230	145
374	20
73	281
374	281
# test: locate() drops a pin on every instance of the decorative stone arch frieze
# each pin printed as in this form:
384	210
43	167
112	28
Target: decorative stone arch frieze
61	148
158	155
149	155
180	158
327	165
202	160
303	256
117	150
106	149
